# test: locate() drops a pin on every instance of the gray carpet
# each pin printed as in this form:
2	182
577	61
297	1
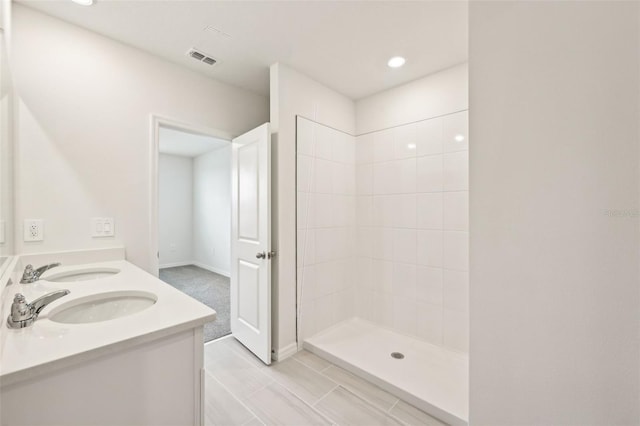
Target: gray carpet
207	287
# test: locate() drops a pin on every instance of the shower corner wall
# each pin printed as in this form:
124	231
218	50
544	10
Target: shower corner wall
326	233
382	223
382	228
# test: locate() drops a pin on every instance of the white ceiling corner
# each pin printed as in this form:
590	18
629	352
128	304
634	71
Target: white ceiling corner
342	44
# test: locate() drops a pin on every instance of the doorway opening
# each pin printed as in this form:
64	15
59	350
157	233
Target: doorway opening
238	212
194	219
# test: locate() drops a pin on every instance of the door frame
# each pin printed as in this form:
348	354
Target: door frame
156	121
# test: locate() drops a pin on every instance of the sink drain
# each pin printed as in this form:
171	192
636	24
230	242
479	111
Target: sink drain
397	355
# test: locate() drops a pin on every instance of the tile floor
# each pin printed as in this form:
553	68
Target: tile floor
301	390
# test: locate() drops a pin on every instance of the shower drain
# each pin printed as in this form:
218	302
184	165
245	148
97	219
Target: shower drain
397	355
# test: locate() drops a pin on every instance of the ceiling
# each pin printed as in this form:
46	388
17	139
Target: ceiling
342	44
177	142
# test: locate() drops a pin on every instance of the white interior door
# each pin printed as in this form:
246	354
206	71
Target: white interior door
251	241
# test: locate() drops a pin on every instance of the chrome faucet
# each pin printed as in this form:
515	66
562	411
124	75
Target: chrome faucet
24	314
31	275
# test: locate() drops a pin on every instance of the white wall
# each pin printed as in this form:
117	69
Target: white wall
7	118
212	210
291	94
437	94
84	129
175	210
555	308
326	220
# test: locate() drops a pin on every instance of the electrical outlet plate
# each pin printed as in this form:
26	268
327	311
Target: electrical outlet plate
33	230
102	227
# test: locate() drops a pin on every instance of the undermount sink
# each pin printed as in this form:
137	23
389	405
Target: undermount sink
81	275
102	307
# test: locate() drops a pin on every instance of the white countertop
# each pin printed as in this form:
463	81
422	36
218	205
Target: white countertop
47	345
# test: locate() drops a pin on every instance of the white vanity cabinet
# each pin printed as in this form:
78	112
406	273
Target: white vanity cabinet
152	383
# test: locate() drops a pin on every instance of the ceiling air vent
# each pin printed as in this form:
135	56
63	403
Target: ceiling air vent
202	57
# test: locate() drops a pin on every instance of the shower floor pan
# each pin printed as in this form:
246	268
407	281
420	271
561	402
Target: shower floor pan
430	377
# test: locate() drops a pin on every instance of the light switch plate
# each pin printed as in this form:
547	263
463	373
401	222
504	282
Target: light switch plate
102	227
33	230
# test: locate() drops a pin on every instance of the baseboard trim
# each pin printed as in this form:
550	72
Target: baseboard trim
212	269
284	353
174	264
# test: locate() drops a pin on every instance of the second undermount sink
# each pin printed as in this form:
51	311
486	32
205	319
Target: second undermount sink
102	307
86	274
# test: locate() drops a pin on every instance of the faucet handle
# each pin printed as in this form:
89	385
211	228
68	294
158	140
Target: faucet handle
20	309
28	274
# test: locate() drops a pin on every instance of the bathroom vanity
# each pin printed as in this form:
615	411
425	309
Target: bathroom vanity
121	348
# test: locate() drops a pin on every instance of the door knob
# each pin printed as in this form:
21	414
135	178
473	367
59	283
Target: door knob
262	255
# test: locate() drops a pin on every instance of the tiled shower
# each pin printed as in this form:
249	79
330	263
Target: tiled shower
326	224
383	229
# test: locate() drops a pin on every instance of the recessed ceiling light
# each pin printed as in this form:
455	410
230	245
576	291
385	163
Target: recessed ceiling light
83	2
396	62
459	138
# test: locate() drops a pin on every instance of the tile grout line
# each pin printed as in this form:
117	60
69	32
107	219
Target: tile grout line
325	395
241	355
356	391
234	396
394	404
311	406
291	391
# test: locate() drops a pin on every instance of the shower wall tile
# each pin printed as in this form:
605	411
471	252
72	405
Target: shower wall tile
456	250
429	248
304	173
429	322
383	228
429	208
326	222
405	315
429	173
382	272
383	309
306	139
404	144
404	280
324	141
429	285
456	132
456	211
456	290
364	149
364	179
364	211
403	210
404	245
412	229
382	243
383	146
456	171
428	137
